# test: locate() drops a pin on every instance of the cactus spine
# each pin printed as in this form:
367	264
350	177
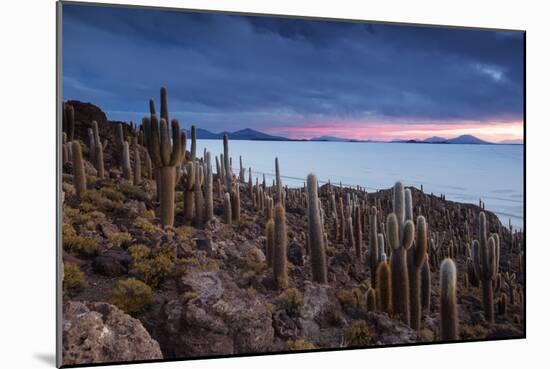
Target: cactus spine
447	306
384	287
400	237
416	259
280	245
78	169
315	232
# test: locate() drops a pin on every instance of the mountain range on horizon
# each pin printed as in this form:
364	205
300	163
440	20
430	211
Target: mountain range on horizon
254	135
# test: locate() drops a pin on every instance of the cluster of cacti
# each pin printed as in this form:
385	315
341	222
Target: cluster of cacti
400	236
315	232
165	155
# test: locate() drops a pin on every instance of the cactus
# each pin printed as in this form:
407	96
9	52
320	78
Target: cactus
78	169
485	259
126	168
209	196
226	163
98	156
199	197
165	155
400	237
241	169
349	231
236	203
371	299
447	306
91	145
193	143
137	162
279	183
315	232
279	250
373	245
68	121
163	104
382	257
358	235
227	218
188	181
416	258
384	287
270	241
426	286
64	149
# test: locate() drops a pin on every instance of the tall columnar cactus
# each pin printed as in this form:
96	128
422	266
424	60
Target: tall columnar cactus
384	287
349	231
78	169
126	168
227	217
193	143
163	104
98	156
280	246
208	189
426	287
120	134
315	232
241	169
373	245
270	242
199	197
236	203
447	306
91	145
137	162
188	182
165	155
400	237
68	121
358	234
64	149
278	182
416	259
341	219
382	257
485	265
371	299
227	163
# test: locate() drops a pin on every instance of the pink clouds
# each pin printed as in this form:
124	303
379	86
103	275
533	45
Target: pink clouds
490	131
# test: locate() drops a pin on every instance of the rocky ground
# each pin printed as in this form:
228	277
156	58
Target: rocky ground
135	291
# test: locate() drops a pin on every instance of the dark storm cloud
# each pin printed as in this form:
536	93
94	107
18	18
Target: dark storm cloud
230	72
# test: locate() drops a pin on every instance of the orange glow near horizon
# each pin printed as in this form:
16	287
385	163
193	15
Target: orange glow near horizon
488	131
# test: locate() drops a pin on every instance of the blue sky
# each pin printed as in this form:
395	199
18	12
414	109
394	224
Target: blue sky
295	77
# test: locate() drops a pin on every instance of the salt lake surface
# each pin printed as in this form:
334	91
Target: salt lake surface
464	173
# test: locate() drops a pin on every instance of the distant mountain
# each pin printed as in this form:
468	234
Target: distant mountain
329	138
518	141
435	139
243	134
464	139
467	139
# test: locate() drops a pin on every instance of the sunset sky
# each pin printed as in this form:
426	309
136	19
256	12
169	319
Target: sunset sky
294	77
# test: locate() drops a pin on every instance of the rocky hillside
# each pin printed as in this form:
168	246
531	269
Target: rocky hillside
227	264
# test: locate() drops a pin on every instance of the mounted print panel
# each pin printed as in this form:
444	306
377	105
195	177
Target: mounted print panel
241	184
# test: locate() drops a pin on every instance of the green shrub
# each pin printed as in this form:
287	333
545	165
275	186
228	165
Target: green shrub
119	238
299	345
131	295
291	300
78	245
132	192
112	194
152	266
359	334
73	279
351	300
145	225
